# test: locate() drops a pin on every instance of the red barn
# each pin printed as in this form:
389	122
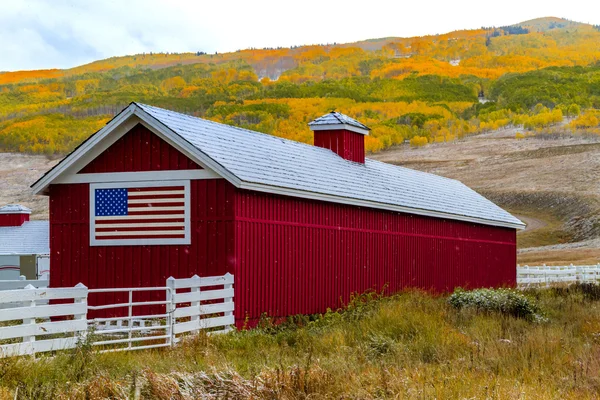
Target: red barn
156	194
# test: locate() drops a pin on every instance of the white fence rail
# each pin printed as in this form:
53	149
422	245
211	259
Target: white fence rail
30	325
552	275
22	283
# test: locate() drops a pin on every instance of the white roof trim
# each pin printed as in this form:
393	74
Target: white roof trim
139	176
66	170
333	127
14	209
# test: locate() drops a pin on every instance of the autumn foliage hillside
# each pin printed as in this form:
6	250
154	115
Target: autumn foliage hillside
421	89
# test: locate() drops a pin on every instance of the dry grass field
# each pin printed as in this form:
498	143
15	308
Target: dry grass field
408	346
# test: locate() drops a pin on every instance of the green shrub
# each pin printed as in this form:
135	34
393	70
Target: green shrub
504	301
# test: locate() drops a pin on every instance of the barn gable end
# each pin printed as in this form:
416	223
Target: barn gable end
139	150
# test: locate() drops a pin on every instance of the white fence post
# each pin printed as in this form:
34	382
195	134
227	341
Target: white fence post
195	304
29	321
228	299
81	300
170	307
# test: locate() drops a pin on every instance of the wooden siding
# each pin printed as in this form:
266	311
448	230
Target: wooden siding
73	260
139	150
297	256
13	219
348	145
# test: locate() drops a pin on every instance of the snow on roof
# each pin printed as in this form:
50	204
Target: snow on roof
336	118
33	237
14	209
283	166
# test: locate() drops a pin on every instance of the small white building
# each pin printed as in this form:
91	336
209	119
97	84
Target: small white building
24	244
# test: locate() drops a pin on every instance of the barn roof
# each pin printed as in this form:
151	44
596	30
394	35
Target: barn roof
261	162
33	237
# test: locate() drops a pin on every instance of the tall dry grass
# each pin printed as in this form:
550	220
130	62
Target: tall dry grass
412	345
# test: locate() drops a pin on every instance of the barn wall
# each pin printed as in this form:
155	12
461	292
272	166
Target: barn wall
348	145
139	150
301	256
13	219
73	260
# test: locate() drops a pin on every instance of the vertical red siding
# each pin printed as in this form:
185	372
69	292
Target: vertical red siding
348	145
301	256
139	150
13	219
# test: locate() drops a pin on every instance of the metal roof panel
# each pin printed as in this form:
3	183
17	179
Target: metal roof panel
258	158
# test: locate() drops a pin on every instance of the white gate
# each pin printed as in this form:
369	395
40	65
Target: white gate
134	331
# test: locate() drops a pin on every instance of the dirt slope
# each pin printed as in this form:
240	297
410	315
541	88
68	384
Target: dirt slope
17	172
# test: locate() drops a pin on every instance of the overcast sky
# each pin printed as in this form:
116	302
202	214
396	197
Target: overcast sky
36	34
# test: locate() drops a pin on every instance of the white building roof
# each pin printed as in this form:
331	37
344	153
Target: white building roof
256	161
14	209
33	237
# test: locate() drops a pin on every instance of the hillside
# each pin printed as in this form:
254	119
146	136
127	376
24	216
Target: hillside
422	88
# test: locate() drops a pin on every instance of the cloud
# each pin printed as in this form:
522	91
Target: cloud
37	34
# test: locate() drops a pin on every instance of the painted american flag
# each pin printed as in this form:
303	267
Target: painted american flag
138	213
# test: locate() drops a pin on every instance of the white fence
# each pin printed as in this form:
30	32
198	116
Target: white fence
36	320
549	275
29	325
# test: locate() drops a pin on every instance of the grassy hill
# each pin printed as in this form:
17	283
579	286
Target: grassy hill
422	89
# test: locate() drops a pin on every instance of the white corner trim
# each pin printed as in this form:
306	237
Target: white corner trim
138	176
186	240
372	204
333	127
